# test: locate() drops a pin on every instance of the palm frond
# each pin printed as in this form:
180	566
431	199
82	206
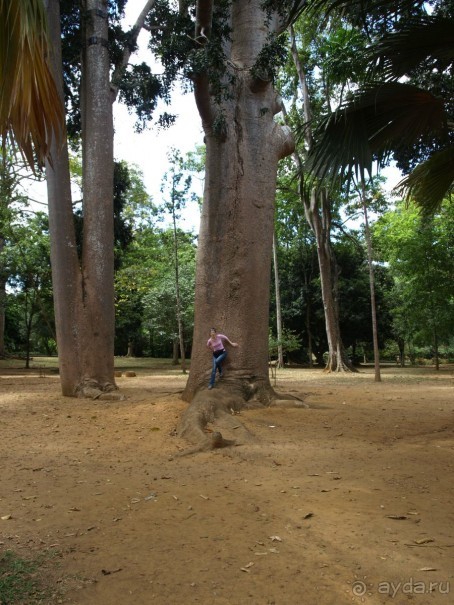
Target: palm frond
430	182
370	126
427	39
362	7
31	111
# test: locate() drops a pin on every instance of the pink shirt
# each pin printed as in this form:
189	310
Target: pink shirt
216	344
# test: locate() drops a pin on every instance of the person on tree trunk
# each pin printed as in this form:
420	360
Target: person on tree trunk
216	345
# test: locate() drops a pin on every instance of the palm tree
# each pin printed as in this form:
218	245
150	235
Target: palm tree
392	111
30	108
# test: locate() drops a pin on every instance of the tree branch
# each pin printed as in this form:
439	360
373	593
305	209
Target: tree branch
127	52
203	19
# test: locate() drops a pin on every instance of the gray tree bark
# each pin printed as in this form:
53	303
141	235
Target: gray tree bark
84	288
237	224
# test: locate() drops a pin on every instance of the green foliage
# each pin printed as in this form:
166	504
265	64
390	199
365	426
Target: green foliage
271	58
289	342
27	264
141	90
420	256
145	284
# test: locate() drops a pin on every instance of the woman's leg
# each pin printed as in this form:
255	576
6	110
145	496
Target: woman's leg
219	361
213	374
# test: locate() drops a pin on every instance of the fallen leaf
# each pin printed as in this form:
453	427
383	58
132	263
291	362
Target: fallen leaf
424	540
428	569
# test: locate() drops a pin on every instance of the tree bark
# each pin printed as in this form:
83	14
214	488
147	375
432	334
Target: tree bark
83	289
66	276
97	174
372	286
237	223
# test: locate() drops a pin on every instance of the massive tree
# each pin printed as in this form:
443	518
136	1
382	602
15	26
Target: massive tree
233	73
84	285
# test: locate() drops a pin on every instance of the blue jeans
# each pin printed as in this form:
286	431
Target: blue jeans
217	361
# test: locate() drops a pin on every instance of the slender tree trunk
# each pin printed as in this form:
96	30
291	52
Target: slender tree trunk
175	348
318	214
320	222
436	351
66	276
177	291
280	354
372	287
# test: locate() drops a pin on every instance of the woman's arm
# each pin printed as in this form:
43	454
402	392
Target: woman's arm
233	344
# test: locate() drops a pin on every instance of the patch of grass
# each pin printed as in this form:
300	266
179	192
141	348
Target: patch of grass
20	581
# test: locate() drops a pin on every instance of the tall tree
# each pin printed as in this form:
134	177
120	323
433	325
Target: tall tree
238	50
175	188
318	205
244	145
83	287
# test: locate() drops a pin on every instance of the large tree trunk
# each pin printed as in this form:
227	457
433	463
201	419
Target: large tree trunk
98	233
83	291
237	222
84	288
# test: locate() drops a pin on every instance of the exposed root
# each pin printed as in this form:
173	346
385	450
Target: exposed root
91	389
220	407
212	442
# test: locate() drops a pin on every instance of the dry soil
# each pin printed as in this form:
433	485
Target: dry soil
348	501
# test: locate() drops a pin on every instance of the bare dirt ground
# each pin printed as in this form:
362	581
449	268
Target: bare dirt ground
349	501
